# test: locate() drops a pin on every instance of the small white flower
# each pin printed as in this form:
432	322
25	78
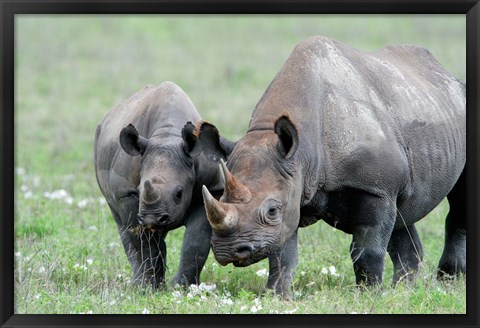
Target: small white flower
92	228
102	201
24	188
18	254
290	311
89	312
255	309
256	301
113	302
20	171
176	293
262	272
69	200
82	203
243	308
303	273
42	270
227	301
324	271
28	194
37	296
145	311
113	244
89	261
205	287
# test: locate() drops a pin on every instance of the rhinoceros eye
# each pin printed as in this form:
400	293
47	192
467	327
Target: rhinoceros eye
178	194
271	212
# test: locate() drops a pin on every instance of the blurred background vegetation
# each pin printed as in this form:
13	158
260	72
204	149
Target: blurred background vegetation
70	70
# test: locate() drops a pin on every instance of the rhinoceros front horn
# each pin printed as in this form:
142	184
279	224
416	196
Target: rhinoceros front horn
221	216
234	191
149	194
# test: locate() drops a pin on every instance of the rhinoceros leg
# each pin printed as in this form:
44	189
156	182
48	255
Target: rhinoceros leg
282	265
195	248
453	260
374	219
146	251
406	252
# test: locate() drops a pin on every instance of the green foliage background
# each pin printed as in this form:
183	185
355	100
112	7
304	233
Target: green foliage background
70	70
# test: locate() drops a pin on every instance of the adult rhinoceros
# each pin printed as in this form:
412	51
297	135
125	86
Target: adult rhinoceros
150	168
368	142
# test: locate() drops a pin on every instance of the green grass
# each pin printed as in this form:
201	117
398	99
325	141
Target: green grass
70	70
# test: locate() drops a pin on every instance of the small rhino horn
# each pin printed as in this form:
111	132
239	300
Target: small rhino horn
149	192
234	191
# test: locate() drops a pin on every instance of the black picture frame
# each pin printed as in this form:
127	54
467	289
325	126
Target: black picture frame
10	8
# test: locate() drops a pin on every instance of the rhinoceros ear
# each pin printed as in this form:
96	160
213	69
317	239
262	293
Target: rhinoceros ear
191	144
214	146
132	142
288	135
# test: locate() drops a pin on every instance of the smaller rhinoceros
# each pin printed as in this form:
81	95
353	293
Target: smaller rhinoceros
150	168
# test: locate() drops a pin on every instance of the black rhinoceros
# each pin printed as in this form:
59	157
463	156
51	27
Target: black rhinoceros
150	168
369	142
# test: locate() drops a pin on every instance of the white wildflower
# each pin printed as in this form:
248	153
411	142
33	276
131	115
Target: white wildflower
28	194
255	309
113	244
102	201
256	301
303	273
21	171
24	188
89	261
145	311
18	254
205	287
37	296
92	228
113	302
82	203
243	308
42	270
333	271
176	293
69	200
227	301
324	271
262	272
290	311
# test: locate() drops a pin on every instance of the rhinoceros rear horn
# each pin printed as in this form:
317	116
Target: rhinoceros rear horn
221	216
234	191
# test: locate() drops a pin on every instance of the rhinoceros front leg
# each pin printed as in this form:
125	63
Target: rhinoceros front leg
145	250
195	248
373	219
406	252
282	265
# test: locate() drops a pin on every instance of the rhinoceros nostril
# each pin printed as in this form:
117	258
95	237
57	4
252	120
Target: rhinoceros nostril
163	218
243	251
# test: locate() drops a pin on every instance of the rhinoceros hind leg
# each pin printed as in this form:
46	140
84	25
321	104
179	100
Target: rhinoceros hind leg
453	260
405	250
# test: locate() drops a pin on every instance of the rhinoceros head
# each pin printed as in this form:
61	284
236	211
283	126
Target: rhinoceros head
259	209
167	175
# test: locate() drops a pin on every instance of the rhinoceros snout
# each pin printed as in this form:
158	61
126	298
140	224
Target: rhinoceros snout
151	220
243	251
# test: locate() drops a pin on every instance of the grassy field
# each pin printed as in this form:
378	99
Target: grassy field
70	70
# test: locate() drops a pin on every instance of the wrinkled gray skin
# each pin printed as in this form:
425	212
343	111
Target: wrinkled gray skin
368	142
150	168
